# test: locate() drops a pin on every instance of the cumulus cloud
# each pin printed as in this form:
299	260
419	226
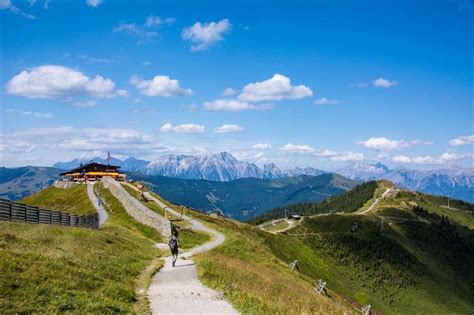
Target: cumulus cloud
59	82
48	145
184	128
297	148
401	159
153	21
204	35
276	88
383	144
232	105
229	92
451	156
262	146
229	129
160	85
326	101
384	83
463	140
29	113
93	3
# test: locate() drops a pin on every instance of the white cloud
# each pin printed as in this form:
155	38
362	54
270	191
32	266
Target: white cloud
58	82
262	146
463	140
160	85
416	160
204	35
381	82
229	92
348	156
297	148
29	113
418	142
401	159
90	59
85	104
232	105
425	160
8	5
184	128
229	129
143	35
153	21
451	156
274	89
362	84
93	3
326	101
443	158
383	144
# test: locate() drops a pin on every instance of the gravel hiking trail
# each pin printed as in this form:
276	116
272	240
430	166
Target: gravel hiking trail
178	290
100	209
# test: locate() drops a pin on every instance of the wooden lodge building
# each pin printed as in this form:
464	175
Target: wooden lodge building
93	171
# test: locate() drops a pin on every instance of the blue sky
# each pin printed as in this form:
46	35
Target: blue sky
309	83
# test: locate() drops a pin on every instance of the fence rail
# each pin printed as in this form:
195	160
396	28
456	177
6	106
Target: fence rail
13	211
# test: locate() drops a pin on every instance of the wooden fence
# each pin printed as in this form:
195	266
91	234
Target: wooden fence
13	211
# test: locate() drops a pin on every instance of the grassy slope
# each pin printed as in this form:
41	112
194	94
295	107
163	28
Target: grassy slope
245	198
49	269
187	238
73	200
422	266
349	201
253	279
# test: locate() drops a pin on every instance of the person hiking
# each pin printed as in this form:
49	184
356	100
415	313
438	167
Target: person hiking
173	243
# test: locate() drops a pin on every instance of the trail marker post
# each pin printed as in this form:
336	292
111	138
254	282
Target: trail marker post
294	264
321	286
366	309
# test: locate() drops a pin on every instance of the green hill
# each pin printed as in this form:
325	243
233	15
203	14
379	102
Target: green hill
16	183
349	201
409	254
52	269
246	198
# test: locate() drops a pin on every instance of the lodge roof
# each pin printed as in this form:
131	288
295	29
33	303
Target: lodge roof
91	166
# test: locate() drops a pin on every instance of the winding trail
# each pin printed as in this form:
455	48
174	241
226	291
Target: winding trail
376	201
178	290
103	216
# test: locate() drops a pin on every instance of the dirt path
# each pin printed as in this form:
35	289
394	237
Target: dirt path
376	201
178	290
103	216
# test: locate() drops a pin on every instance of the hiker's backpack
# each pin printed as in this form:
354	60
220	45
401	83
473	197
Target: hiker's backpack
173	243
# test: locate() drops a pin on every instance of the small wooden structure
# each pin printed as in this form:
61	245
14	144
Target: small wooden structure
93	171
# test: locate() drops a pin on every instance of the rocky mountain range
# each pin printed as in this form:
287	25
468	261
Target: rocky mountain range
221	167
451	181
